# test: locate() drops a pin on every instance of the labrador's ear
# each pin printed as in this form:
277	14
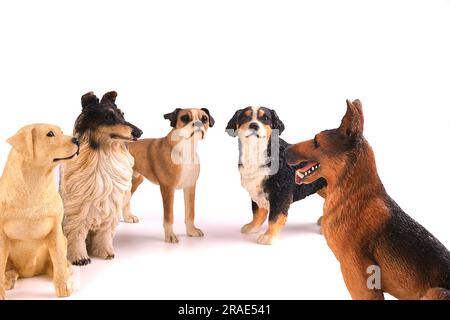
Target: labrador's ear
89	99
23	142
352	124
232	125
109	97
211	119
173	116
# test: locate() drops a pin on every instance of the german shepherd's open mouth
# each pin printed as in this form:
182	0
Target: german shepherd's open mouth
306	170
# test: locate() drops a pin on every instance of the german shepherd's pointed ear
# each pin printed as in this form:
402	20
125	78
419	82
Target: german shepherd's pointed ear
173	116
89	99
232	125
109	97
211	119
276	122
23	142
352	124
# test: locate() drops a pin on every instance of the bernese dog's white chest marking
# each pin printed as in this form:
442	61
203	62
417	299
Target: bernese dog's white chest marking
252	179
254	170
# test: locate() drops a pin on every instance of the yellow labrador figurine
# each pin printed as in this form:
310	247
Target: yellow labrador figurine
31	210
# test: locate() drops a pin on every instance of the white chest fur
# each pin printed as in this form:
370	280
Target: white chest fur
188	176
115	170
253	169
185	155
95	184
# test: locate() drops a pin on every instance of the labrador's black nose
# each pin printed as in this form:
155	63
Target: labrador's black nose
254	126
76	141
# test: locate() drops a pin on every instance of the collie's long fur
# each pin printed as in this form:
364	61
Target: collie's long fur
96	188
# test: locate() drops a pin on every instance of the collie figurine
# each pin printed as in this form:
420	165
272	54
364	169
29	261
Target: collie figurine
97	185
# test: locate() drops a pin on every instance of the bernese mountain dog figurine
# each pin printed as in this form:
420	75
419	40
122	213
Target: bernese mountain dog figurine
264	169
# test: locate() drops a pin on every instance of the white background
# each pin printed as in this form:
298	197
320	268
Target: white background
302	58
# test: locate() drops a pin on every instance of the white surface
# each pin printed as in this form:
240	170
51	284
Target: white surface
301	58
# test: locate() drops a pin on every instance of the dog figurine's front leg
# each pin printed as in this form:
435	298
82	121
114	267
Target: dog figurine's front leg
128	217
57	247
3	260
276	223
354	270
11	277
189	207
101	244
259	216
167	194
76	234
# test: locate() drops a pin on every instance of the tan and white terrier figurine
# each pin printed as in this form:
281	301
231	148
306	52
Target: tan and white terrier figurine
172	163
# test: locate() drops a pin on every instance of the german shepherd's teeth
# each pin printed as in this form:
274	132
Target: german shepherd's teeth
310	171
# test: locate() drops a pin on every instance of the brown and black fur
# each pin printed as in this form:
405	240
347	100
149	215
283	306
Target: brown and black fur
363	226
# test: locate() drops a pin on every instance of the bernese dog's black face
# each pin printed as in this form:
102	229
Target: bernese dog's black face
257	122
103	121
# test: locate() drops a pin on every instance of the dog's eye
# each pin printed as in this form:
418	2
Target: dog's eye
316	143
265	118
50	134
246	118
204	119
185	118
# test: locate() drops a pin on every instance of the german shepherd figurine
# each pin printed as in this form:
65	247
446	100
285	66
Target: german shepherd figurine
362	225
